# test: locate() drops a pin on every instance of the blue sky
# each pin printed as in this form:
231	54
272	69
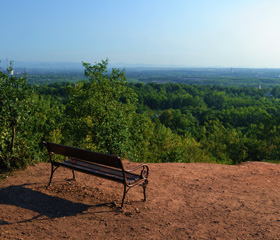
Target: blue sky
191	33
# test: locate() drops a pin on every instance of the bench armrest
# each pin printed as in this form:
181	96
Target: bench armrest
144	171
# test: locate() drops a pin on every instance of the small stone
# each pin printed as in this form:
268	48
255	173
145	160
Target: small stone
128	214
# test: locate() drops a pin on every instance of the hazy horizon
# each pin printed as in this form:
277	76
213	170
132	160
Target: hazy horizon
78	65
179	33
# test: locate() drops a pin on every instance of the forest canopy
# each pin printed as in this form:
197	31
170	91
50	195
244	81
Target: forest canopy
150	122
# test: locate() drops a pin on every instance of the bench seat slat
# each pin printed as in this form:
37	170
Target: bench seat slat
129	176
100	171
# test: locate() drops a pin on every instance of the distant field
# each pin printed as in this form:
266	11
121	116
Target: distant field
201	76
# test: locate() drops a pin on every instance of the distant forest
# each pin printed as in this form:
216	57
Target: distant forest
237	77
148	116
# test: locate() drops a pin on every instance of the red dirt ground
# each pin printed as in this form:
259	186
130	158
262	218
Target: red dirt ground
184	201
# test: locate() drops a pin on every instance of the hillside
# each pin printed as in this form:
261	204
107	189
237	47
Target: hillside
185	201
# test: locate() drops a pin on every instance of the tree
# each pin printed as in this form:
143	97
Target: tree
15	112
224	144
101	111
276	92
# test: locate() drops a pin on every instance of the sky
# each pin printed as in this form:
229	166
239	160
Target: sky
179	33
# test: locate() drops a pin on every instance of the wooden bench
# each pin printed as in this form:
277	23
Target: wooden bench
98	164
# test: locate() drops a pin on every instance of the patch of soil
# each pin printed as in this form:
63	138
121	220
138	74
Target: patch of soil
184	201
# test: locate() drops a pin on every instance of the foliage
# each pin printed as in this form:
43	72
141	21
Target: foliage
169	122
150	122
101	112
16	106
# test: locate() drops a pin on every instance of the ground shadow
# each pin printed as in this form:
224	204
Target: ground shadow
2	222
41	203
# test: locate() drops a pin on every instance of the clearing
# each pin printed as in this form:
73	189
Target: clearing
184	201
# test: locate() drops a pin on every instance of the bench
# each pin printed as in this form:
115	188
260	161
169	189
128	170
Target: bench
98	164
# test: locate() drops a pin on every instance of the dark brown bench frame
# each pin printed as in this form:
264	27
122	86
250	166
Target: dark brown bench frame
98	164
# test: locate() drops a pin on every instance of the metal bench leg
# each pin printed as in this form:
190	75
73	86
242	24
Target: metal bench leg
144	185
74	178
52	171
124	193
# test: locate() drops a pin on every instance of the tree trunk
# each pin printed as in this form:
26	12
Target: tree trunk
13	139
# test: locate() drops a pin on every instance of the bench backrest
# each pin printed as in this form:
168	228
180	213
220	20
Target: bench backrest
86	155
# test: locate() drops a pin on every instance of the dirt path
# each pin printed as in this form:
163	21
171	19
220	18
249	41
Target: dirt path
185	201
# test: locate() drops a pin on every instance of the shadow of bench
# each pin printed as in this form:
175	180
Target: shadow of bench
43	204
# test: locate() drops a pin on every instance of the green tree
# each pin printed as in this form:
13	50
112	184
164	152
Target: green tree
101	111
16	108
224	144
276	91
